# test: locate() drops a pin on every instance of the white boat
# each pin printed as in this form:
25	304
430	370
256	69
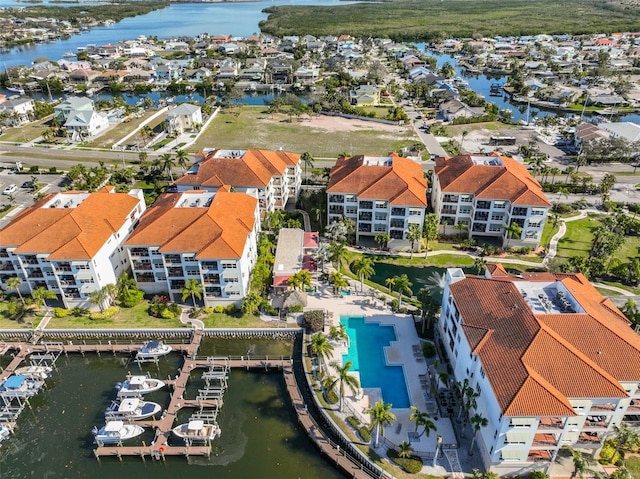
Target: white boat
153	349
38	372
132	409
16	90
5	432
114	432
69	55
197	431
136	386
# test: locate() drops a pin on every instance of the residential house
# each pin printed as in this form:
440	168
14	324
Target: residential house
183	118
228	70
454	108
486	194
274	177
381	194
207	236
622	129
70	243
82	125
365	95
19	110
83	75
71	104
307	75
552	362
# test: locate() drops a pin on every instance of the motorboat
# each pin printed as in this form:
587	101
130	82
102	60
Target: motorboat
18	386
197	431
136	386
37	372
132	409
115	432
5	432
153	350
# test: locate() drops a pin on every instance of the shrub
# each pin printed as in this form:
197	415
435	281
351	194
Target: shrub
231	309
353	422
80	312
106	314
314	320
208	310
412	464
429	350
538	475
365	434
218	309
609	454
53	170
331	396
296	308
161	308
61	312
131	297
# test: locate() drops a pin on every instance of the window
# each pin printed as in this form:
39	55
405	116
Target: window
415	212
351	199
518	211
466	198
351	210
482	372
229	266
537	212
499	204
465	210
497	217
381	204
495	228
535	223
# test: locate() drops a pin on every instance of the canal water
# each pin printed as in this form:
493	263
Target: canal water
260	434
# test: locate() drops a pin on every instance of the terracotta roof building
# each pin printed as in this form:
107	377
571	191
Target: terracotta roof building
382	194
486	194
203	235
273	177
70	243
553	363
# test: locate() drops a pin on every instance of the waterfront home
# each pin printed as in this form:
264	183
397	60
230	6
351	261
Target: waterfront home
70	243
73	103
365	95
274	177
487	194
82	125
203	235
185	117
381	194
307	75
452	109
553	363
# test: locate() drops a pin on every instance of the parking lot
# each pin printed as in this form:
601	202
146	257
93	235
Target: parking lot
23	196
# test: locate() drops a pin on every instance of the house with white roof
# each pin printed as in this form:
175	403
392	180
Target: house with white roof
184	117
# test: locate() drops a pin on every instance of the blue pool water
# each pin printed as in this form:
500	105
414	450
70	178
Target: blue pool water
366	343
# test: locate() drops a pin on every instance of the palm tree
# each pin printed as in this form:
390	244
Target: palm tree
321	347
402	286
478	422
381	239
40	296
422	419
321	255
318	212
562	192
167	163
430	230
414	234
182	159
338	252
464	134
363	268
193	288
381	416
480	264
461	228
513	230
98	297
307	160
553	172
344	379
390	282
338	281
301	279
405	450
14	283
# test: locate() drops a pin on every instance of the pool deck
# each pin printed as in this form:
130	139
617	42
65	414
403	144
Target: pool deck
399	353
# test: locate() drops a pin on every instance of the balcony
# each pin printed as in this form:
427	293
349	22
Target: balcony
483	205
481	216
4	254
172	259
63	269
607	407
589	439
34	273
336	198
139	252
539	456
142	265
516	211
364	216
596	422
6	267
450	199
449	211
550	423
364	228
175	272
366	205
145	278
544	440
209	265
211	279
633	407
398	211
336	210
397	224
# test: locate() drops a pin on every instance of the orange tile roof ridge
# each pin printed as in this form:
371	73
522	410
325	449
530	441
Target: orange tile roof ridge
521	403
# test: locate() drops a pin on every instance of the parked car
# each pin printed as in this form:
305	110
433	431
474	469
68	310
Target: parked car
9	190
26	184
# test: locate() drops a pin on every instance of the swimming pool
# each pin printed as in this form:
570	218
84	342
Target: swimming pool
366	343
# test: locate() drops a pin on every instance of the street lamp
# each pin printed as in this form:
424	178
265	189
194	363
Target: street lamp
438	445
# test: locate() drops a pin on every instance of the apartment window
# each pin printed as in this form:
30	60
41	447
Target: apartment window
497	217
465	210
351	199
537	212
466	198
483	205
229	266
517	211
415	212
499	205
450	198
381	217
535	223
351	210
531	234
495	228
381	204
482	372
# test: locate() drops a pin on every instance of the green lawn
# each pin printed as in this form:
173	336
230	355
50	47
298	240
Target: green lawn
547	233
577	239
119	131
24	133
30	320
221	320
274	132
135	317
633	464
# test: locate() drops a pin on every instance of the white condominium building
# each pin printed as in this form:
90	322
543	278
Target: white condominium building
553	363
202	235
70	243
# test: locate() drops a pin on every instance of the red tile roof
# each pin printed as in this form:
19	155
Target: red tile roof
402	183
69	233
535	362
510	182
217	231
253	169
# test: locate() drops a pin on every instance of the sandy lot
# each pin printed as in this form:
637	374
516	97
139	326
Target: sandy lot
337	123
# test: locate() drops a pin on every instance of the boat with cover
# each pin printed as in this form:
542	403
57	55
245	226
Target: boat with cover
114	432
136	386
197	431
153	350
38	372
20	386
132	409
